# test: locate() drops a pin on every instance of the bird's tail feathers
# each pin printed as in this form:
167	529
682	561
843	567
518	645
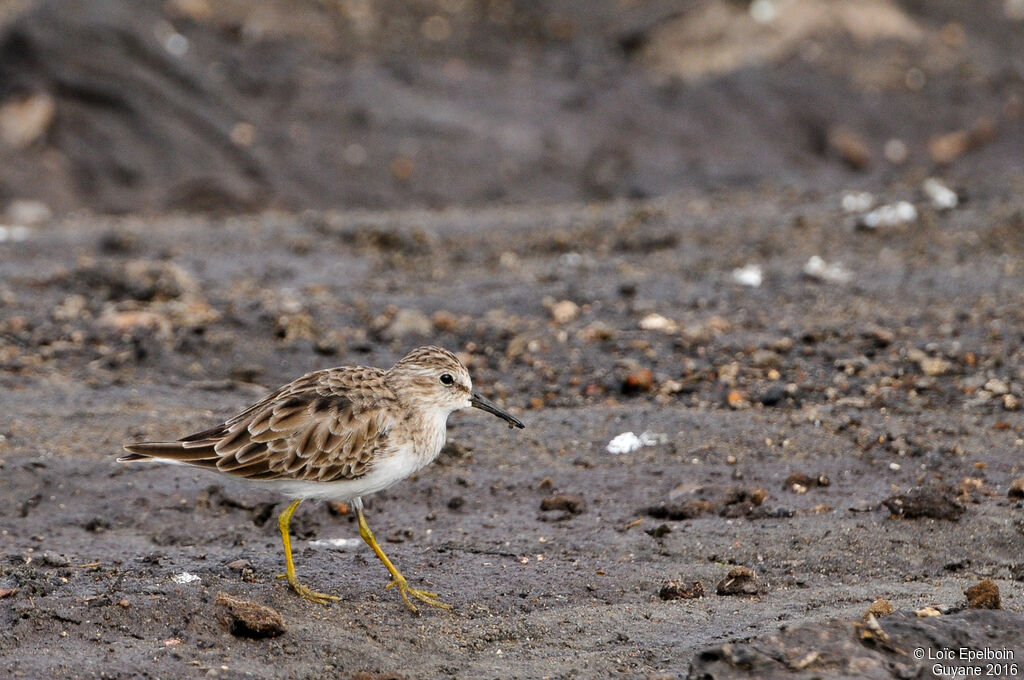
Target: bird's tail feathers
177	451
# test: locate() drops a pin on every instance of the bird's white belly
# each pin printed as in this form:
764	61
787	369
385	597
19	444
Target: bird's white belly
399	463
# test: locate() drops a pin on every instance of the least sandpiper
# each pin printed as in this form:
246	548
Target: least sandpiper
338	434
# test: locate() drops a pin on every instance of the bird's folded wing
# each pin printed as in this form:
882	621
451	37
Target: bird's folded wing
314	429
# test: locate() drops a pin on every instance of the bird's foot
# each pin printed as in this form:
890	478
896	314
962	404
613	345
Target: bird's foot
308	593
426	597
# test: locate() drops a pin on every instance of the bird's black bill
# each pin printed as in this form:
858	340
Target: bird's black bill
485	405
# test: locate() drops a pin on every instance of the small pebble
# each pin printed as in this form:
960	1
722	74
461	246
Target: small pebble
799	479
816	268
564	311
997	387
640	380
657	322
773	395
942	197
749	275
850	146
1016	489
735	400
935	366
857	201
889	215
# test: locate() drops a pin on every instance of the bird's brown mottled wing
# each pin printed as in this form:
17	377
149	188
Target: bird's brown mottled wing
325	426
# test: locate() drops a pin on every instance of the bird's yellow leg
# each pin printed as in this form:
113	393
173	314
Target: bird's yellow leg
397	580
293	581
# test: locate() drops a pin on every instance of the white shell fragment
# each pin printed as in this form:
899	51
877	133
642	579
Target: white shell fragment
657	322
857	201
889	215
816	268
941	196
653	438
627	442
749	275
763	11
15	234
185	578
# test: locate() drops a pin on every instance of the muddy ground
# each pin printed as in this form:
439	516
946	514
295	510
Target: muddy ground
122	329
563	196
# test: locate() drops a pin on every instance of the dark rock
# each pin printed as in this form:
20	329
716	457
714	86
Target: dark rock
680	590
398	535
640	380
773	395
740	581
936	501
740	502
117	243
572	504
660	531
733	501
679	511
49	559
97	525
1016	491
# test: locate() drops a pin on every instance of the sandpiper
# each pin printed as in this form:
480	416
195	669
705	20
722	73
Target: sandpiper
338	434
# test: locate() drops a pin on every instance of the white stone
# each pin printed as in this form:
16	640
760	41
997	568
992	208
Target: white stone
627	442
749	275
185	578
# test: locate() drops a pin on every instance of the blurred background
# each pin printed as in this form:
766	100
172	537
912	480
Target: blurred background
235	106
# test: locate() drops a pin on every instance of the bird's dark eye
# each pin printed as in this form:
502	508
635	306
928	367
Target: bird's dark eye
447	379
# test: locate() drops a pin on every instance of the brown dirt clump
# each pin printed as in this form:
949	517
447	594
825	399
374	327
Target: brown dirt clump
984	595
249	619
